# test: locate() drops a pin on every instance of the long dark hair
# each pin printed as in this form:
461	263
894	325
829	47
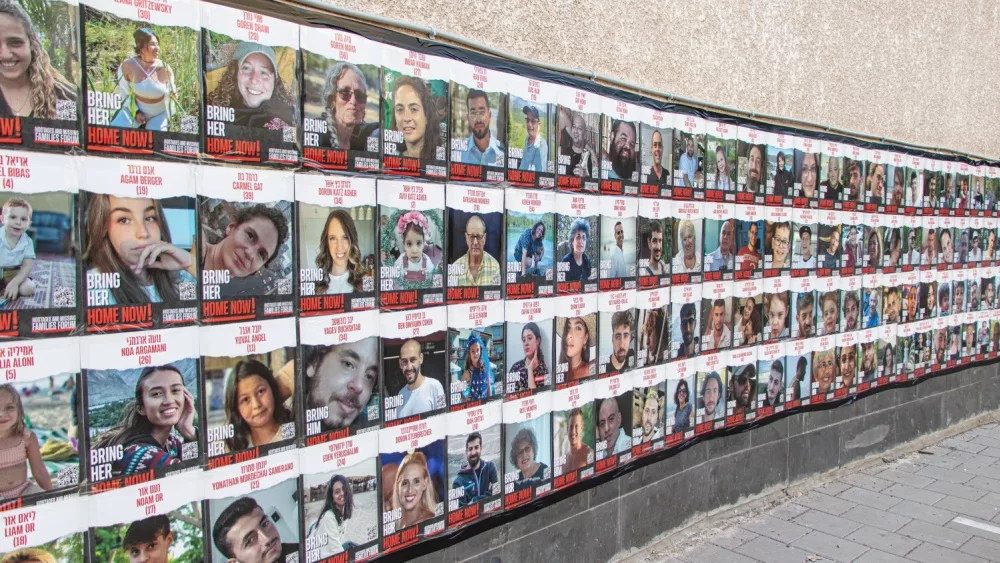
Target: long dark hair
134	426
226	91
324	261
432	131
47	83
533	327
246	369
585	352
142	37
329	505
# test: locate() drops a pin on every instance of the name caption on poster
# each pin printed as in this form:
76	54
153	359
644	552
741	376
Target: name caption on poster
14	167
18	526
14	357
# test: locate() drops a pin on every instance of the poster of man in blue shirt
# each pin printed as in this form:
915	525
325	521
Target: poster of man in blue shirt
479	155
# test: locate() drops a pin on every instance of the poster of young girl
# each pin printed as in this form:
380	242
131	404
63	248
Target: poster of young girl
257	499
415	113
617	330
573	435
578	126
336	243
578	239
142	396
740	395
413	462
780	169
476	353
478	123
680	402
143	81
612	422
576	339
161	521
57	534
751	151
530	220
414	364
655	229
475	242
806	173
772	378
777	308
652	327
247	224
618	249
712	381
249	373
527	449
340	501
341	375
721	161
39	226
41	387
411	244
530	366
475	464
252	99
45	115
531	146
140	247
656	141
342	86
689	157
621	148
649	407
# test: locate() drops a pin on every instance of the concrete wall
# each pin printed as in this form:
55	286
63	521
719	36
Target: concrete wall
909	69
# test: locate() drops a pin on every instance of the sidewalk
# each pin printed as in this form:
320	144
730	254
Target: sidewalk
941	504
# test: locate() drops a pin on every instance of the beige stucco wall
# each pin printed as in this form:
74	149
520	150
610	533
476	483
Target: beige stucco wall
918	71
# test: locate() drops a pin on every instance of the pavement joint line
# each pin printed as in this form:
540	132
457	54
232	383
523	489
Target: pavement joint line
963	521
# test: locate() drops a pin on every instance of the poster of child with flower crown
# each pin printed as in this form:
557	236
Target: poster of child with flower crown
411	244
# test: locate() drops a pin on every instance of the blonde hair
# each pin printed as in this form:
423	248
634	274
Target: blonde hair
429	501
19	426
29	555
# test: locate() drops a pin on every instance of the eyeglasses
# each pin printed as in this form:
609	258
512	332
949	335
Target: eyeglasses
475	238
778	241
526	450
360	95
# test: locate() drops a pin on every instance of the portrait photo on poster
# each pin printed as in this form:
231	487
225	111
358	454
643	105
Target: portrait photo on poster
527	448
176	535
413	474
577	244
656	130
411	244
576	339
476	352
270	514
531	147
416	368
620	147
617	246
415	110
530	223
689	157
475	227
649	407
475	463
654	236
478	123
578	127
573	435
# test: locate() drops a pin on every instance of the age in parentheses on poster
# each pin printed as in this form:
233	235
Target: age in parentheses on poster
527	442
890	237
824	367
748	301
689	157
410	244
933	184
578	127
573	435
612	421
39	280
475	243
40	383
721	161
853	174
681	401
909	296
831	184
963	243
618	333
256	498
716	316
140	249
828	302
921	349
143	77
652	327
576	339
975	241
871	252
159	519
806	173
531	147
984	342
850	303
740	395
414	133
530	365
992	189
978	199
777	241
913	177
852	237
780	169
249	373
948	188
649	408
531	243
414	364
885	348
712	383
804	241
798	366
475	353
621	147
771	387
719	241
342	86
805	303
685	312
341	375
413	462
340	500
847	363
751	159
143	402
686	242
829	226
337	223
49	118
475	463
777	308
912	238
890	302
52	531
655	229
946	243
252	98
867	359
577	243
478	123
749	262
618	237
895	180
875	180
656	141
963	188
247	245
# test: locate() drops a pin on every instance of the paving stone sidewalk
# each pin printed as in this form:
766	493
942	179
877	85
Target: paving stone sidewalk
941	504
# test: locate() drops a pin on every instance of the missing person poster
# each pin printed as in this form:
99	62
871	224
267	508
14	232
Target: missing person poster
909	296
890	237
618	249
411	240
478	123
824	367
576	339
577	242
741	392
912	236
871	252
749	263
831	185
246	220
853	171
612	421
52	531
475	353
798	362
751	156
530	223
885	349
475	463
777	308
250	382
573	435
848	344
780	169
336	243
412	460
712	380
687	240
777	241
748	303
828	298
649	407
656	141
804	242
579	130
527	439
933	186
252	99
40	273
142	399
806	173
475	232
716	315
875	180
718	241
689	157
140	244
652	327
414	364
680	402
828	234
620	144
978	197
929	243
867	360
891	287
852	242
342	86
850	303
720	161
143	77
655	229
415	113
340	505
772	378
895	179
617	332
913	174
685	310
532	322
531	129
805	304
341	376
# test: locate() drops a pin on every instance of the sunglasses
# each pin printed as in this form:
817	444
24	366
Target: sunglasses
345	95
